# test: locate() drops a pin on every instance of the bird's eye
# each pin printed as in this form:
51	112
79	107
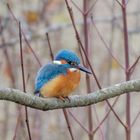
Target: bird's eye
69	62
72	63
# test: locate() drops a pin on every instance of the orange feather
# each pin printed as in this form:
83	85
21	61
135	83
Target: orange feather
62	85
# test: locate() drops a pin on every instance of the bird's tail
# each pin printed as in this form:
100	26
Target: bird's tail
37	93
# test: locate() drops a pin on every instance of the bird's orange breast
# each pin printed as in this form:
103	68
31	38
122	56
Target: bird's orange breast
62	85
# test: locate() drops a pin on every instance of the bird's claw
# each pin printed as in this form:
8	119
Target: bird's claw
64	98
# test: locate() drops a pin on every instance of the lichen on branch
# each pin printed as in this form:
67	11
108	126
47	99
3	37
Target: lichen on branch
45	104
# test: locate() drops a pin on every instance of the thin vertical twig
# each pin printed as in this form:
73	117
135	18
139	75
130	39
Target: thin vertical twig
135	119
23	80
68	123
127	73
85	29
50	48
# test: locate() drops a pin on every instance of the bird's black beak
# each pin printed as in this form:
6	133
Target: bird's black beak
82	68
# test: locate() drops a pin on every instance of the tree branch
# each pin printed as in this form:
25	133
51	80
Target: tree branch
44	104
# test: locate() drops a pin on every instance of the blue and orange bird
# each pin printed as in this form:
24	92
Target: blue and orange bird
61	77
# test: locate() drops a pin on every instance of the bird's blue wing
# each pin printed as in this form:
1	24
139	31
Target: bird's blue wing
47	73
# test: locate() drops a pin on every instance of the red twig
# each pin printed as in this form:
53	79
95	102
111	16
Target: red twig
82	47
92	6
87	10
23	80
121	4
80	124
77	7
116	114
127	73
27	79
50	48
82	58
132	68
85	28
68	123
105	117
21	59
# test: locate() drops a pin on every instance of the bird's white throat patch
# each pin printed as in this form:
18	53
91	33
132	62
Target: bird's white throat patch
73	69
57	62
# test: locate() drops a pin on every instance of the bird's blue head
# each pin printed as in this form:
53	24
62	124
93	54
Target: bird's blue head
70	58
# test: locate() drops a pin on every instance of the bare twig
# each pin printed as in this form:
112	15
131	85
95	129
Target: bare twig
132	68
127	73
86	56
92	6
135	119
23	80
77	7
105	117
50	48
80	124
68	123
119	3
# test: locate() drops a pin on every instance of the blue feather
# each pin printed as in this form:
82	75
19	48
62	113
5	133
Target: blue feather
68	56
48	72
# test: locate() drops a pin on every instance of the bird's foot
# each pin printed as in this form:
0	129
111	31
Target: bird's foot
67	98
64	98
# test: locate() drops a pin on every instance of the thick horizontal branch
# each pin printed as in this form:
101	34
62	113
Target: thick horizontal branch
32	101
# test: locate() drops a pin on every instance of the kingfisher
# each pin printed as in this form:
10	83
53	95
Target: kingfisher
61	77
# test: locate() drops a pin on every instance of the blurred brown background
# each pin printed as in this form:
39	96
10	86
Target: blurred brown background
38	17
